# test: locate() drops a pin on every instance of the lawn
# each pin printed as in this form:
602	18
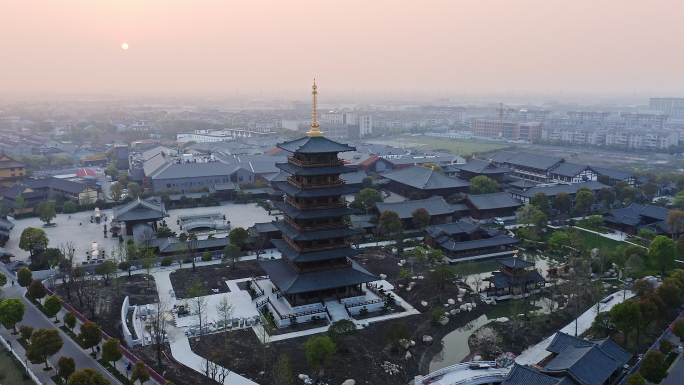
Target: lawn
462	147
593	241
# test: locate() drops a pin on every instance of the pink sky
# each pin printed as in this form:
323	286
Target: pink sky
274	48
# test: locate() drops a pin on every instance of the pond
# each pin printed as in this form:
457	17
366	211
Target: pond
455	344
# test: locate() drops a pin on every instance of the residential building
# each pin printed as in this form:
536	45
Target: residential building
484	206
550	191
439	210
672	107
10	170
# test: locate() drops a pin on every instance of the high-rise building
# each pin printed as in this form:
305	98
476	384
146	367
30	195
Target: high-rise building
673	107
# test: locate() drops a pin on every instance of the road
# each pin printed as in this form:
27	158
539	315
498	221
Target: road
36	319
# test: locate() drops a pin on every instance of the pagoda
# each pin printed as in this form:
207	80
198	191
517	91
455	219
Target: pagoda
316	251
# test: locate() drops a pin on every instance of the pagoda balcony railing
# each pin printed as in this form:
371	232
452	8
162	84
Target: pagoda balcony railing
313	206
302	163
302	249
323	226
312	185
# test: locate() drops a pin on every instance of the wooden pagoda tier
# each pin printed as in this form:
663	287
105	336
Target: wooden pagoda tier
315	246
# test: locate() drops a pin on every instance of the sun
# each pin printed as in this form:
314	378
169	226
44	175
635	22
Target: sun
124	46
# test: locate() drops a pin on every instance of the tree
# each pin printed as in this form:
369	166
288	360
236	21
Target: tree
134	190
282	371
583	201
366	199
87	377
653	367
675	222
3	280
11	312
33	240
46	211
25	331
486	341
157	322
420	218
139	373
65	367
482	184
649	189
90	335
106	269
389	223
541	201
606	196
116	191
623	316
441	275
318	351
624	193
70	321
44	343
531	215
678	328
69	207
24	277
36	290
111	352
661	253
125	266
238	237
198	304
232	253
562	203
52	306
636	379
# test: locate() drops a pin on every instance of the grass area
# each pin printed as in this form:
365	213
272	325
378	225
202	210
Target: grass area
462	147
11	371
595	241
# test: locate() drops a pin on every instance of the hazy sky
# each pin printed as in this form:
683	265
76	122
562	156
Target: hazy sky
274	48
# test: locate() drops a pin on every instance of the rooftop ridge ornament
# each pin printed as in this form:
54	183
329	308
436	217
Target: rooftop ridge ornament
315	129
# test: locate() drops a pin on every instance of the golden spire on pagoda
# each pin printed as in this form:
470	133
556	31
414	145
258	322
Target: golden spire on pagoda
315	129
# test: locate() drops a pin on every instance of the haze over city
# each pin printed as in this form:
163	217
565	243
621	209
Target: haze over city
356	48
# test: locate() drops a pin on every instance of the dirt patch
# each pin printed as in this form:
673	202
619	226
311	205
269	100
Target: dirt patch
171	369
212	278
106	299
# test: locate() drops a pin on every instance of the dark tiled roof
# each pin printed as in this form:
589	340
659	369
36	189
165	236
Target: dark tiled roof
569	169
524	375
6	224
435	205
291	190
502	280
193	170
551	191
299	170
523	159
632	214
496	240
424	178
265	227
314	145
355	177
500	200
296	213
613	173
587	365
515	263
453	228
175	246
290	281
139	210
323	255
615	351
562	340
479	166
312	235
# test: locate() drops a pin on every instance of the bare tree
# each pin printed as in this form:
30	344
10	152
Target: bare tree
225	313
66	266
215	371
198	305
157	324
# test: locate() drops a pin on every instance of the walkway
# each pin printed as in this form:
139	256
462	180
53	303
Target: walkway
36	319
538	352
178	341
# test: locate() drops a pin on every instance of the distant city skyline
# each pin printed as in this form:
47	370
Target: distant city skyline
272	49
